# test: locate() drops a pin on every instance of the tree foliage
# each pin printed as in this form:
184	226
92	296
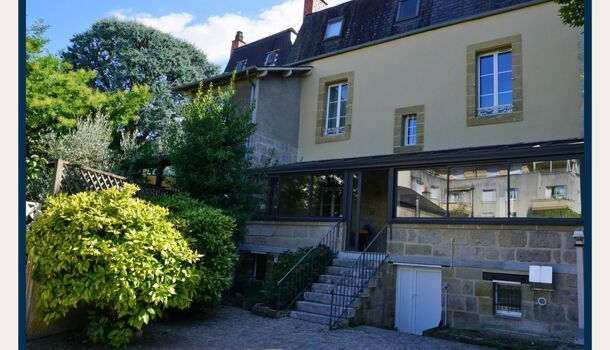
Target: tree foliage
116	255
211	156
126	54
572	12
210	232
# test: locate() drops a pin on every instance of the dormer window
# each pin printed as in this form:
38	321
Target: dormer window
333	28
271	58
407	9
241	65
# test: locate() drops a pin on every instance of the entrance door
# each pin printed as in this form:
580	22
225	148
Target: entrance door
354	185
418	299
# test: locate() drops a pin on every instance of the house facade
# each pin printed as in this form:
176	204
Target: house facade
446	136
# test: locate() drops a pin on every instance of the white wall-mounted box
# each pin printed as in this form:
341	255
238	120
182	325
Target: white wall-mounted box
541	274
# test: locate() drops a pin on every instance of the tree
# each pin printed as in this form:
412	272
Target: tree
210	154
572	12
56	97
126	54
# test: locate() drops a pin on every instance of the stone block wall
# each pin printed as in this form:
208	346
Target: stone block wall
499	249
278	236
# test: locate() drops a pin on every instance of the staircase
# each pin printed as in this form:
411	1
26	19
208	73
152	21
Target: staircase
316	303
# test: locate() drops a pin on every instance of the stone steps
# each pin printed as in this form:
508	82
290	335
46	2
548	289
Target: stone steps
320	309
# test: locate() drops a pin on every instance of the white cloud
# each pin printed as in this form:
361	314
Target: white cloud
214	35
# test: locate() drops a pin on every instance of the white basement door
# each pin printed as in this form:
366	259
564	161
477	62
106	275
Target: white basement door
418	299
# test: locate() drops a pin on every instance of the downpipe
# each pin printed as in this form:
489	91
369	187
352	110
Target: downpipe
446	291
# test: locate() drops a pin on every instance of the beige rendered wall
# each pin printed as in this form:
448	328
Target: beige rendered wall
430	69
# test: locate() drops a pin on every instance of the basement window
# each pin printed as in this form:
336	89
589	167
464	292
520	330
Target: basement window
407	9
333	28
507	298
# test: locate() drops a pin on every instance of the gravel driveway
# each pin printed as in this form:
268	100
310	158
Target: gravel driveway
233	328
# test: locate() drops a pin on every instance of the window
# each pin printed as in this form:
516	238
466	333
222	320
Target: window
556	192
311	195
271	58
455	197
260	266
336	109
333	28
495	83
410	127
407	9
241	65
548	189
412	196
507	298
513	194
489	195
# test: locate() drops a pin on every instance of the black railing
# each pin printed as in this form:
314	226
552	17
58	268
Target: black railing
308	268
348	289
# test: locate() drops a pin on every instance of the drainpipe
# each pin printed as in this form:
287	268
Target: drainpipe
579	244
446	291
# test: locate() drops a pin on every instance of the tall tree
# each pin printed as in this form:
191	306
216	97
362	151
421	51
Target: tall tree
572	12
127	53
210	155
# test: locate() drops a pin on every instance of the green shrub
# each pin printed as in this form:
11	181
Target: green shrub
116	255
210	232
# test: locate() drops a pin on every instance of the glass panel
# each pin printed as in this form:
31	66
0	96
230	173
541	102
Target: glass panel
294	196
407	9
486	65
355	213
334	93
505	98
505	61
265	199
487	101
421	193
343	111
478	191
487	85
333	29
332	111
547	189
505	82
327	195
342	121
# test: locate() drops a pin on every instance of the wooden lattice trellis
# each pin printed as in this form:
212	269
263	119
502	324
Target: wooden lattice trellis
72	178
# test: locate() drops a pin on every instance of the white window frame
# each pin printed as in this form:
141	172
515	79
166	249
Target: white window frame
335	129
515	314
495	109
489	190
410	137
333	22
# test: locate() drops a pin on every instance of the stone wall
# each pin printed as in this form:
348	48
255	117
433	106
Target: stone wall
477	249
278	236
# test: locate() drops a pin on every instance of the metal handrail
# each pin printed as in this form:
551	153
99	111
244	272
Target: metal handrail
305	271
353	284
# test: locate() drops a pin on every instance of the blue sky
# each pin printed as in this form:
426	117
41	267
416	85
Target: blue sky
209	24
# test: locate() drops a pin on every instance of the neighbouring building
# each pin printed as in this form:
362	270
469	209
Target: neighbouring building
445	137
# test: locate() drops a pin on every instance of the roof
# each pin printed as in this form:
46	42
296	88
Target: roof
247	73
255	52
536	150
368	22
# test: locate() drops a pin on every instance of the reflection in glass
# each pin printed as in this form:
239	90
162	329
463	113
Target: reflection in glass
327	195
421	193
478	191
547	189
294	196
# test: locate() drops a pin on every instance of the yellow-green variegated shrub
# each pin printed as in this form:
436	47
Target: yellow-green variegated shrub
116	255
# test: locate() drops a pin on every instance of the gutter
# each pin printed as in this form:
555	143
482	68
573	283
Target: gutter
422	30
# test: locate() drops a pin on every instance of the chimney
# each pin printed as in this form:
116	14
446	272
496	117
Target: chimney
238	41
312	6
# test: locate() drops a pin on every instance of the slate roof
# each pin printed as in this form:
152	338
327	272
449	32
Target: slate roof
366	21
256	51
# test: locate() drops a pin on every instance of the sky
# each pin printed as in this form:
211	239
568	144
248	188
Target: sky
210	25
